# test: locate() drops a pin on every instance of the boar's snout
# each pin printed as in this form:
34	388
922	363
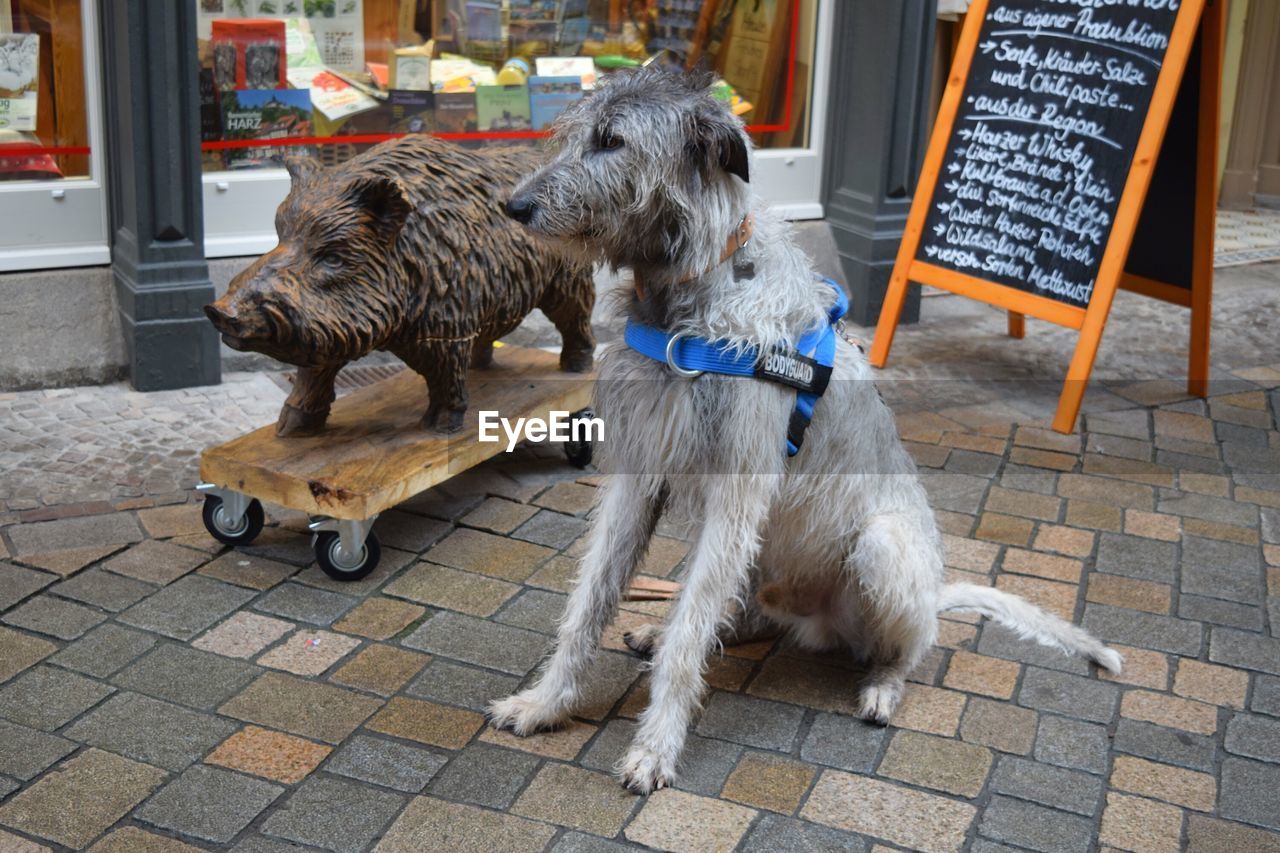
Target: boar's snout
222	316
235	327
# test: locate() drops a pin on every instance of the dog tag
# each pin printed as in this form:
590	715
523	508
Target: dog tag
743	270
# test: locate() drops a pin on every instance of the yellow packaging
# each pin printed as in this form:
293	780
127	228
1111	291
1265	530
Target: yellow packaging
514	73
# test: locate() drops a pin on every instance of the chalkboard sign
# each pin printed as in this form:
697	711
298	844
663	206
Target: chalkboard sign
1163	243
1032	193
1056	99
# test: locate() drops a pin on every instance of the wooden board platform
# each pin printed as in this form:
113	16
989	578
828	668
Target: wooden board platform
374	455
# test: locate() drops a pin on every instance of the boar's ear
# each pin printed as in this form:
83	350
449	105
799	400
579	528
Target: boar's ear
301	168
721	142
386	201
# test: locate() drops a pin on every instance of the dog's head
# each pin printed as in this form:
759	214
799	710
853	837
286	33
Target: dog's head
651	170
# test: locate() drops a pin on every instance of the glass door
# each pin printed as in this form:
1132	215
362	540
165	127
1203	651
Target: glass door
52	203
330	78
789	145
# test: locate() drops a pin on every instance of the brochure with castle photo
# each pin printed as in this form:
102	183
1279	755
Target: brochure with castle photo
264	114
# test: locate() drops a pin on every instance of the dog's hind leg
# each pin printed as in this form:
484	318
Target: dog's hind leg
718	572
898	575
744	624
626	515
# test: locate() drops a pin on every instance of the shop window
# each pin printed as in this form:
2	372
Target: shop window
52	201
333	77
44	131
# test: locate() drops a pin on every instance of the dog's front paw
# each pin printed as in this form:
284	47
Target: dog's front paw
523	715
644	771
877	702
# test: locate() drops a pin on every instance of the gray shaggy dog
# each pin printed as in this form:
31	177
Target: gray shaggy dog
837	544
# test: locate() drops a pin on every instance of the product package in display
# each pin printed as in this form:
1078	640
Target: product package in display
405	249
19	89
503	108
549	96
249	54
456	112
411	111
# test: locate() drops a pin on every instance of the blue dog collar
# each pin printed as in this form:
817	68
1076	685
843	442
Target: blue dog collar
805	367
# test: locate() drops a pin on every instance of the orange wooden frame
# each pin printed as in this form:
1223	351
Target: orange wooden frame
1089	321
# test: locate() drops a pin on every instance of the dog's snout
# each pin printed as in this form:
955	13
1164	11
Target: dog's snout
521	208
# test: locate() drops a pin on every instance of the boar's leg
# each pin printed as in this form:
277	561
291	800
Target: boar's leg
482	354
443	363
572	318
307	407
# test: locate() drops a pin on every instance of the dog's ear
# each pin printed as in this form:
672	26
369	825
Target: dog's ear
721	140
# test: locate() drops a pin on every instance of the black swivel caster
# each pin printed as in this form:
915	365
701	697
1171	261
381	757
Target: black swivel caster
337	563
579	452
228	530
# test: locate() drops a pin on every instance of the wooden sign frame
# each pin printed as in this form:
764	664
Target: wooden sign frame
1089	321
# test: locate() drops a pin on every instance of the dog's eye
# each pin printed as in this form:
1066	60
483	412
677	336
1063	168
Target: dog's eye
609	141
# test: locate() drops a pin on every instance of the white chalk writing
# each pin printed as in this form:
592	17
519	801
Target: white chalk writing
1043	138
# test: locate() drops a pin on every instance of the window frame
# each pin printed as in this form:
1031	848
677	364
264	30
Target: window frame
76	208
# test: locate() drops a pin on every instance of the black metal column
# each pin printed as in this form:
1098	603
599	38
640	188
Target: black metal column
876	137
153	175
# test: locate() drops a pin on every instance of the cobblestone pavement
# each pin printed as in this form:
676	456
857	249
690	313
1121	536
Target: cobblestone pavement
160	692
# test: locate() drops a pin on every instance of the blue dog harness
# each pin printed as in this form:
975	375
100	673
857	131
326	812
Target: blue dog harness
806	366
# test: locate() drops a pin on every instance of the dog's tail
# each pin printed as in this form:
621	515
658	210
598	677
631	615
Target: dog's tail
1029	622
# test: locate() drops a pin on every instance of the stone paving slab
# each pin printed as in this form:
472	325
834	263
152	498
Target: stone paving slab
387	763
19	651
335	814
208	803
429	822
48	698
25	752
103	786
271	755
63	620
150	731
305	708
186	676
98	530
201	697
186	607
17	583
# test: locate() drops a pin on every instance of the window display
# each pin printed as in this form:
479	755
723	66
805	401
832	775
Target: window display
43	126
333	77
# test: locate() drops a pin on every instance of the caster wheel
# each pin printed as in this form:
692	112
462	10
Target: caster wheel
341	566
579	452
223	529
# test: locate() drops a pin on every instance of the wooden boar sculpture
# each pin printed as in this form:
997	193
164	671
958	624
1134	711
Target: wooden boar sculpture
404	248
